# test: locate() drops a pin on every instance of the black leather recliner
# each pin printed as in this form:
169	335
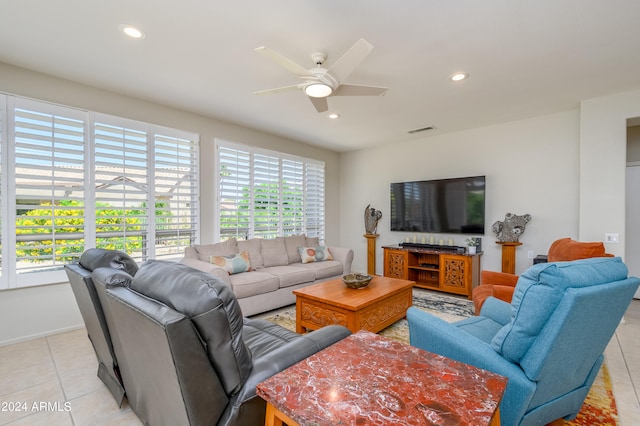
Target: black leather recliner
186	354
79	275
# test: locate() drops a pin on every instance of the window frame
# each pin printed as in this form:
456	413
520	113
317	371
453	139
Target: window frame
157	167
284	161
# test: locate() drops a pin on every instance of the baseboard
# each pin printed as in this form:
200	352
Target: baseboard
40	335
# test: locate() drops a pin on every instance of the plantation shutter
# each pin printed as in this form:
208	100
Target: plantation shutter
176	194
74	179
121	189
266	196
292	197
49	185
314	200
234	169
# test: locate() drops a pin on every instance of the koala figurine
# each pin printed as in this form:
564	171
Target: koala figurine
511	228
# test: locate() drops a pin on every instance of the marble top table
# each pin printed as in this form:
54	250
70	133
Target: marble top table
367	379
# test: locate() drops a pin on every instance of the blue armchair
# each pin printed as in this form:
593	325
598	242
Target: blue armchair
549	342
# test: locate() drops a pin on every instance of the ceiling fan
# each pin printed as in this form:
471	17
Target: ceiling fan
319	83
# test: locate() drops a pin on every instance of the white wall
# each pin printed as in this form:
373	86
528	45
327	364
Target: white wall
49	309
603	156
37	311
632	231
531	167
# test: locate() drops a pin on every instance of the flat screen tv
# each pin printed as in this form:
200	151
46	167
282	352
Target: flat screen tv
453	206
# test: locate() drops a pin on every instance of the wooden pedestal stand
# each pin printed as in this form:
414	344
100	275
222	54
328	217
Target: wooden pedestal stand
371	253
509	256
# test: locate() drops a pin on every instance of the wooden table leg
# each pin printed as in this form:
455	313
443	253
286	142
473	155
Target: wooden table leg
275	417
299	328
495	420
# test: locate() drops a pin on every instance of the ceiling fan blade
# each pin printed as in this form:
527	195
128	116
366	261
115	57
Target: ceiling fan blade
285	62
320	104
353	90
350	60
279	90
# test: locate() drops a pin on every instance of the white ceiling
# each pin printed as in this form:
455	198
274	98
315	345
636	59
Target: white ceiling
524	58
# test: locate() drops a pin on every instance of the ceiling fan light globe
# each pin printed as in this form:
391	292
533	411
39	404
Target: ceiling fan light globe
318	90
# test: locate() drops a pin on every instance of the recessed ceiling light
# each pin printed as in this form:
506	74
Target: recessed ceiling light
334	116
132	31
458	76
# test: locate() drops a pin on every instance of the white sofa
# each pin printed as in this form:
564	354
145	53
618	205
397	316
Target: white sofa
275	271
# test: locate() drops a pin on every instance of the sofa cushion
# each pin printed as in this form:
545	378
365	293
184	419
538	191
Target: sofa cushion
314	254
234	264
312	242
207	267
254	248
253	283
274	252
322	270
291	275
212	308
292	243
481	327
262	336
538	293
224	248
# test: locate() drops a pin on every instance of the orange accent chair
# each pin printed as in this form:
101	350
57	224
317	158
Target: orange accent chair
501	285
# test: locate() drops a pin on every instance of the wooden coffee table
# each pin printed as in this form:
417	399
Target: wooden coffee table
384	301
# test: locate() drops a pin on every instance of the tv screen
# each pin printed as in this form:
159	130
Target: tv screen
439	206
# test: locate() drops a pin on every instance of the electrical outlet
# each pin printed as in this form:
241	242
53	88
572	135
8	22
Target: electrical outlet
530	254
612	238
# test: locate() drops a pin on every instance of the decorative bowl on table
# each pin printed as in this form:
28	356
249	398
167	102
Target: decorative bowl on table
357	280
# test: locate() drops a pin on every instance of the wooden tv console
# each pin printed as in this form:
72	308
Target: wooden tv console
434	268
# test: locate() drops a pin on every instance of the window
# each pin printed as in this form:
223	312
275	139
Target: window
176	193
267	194
73	179
121	156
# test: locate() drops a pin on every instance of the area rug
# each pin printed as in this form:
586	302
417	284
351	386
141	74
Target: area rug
599	407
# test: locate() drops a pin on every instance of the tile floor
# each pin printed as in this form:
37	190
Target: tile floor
60	371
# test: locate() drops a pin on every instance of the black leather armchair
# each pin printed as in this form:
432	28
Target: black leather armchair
83	288
186	354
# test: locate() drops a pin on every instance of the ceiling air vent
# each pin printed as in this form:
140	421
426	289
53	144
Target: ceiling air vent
423	129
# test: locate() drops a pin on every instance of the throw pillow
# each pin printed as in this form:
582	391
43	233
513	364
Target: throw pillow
314	254
233	264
